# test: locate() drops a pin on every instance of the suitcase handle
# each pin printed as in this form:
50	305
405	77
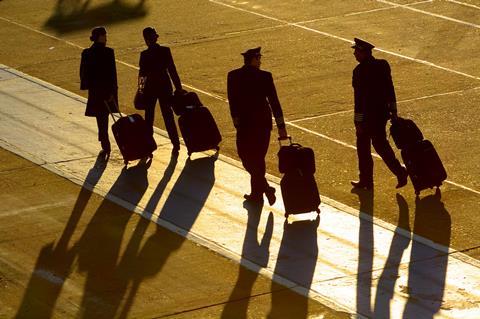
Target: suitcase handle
110	111
280	139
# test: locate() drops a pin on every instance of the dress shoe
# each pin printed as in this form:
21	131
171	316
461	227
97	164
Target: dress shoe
270	193
254	198
361	184
402	178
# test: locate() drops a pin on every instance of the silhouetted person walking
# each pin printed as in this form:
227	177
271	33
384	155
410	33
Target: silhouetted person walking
375	103
98	75
253	98
157	71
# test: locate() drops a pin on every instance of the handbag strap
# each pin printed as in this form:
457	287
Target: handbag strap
110	110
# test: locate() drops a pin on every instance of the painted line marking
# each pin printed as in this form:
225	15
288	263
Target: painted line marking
41	32
399	102
464	4
344	39
387	8
320	116
473	25
256	29
49	276
34	208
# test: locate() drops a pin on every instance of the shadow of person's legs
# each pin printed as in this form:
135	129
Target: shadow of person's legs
428	267
100	245
130	264
181	208
190	192
365	252
386	282
162	184
297	259
252	251
57	260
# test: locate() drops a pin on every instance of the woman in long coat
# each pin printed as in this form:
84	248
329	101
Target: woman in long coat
98	75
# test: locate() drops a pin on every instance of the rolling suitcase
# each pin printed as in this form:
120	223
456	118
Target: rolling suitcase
405	132
423	165
299	193
199	130
182	102
133	137
295	157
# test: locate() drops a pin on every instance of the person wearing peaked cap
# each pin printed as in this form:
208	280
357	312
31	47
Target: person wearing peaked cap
250	53
253	98
157	72
362	45
98	75
375	103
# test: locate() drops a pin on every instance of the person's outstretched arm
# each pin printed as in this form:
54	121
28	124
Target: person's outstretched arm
172	70
276	107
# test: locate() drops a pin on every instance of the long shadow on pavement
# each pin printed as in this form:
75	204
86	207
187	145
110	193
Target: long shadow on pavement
73	15
427	274
130	264
386	283
55	262
253	251
297	259
182	207
100	246
365	253
427	266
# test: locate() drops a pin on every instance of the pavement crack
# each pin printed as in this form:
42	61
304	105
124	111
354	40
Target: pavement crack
223	303
69	160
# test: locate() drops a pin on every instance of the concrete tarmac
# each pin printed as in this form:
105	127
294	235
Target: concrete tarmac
342	259
431	46
71	245
66	252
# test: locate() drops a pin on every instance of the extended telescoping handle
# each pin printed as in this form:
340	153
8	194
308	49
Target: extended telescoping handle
110	110
281	139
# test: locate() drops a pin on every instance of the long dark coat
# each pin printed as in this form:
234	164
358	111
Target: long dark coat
156	64
98	75
253	98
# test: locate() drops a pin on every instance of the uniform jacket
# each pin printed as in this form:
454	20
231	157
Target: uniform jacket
98	75
156	64
253	98
374	93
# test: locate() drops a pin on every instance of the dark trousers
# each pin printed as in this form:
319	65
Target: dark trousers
375	134
102	124
252	148
167	113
